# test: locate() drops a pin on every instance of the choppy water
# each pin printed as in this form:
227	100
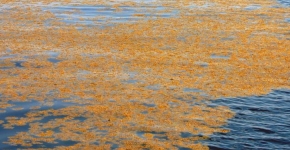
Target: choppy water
261	122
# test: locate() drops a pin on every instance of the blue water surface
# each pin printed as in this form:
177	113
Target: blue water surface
284	2
261	122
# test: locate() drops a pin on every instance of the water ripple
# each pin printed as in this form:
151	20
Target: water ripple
284	2
261	122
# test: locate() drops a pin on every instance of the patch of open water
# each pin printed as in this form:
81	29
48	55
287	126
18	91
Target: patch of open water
261	122
284	2
107	15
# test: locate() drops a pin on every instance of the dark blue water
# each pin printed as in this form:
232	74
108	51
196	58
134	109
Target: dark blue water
261	122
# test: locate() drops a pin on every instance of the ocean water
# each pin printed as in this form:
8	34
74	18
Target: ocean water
284	2
260	122
108	16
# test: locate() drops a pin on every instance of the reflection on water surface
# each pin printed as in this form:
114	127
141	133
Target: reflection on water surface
261	122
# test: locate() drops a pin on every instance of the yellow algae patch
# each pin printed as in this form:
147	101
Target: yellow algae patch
139	85
4	105
139	15
46	133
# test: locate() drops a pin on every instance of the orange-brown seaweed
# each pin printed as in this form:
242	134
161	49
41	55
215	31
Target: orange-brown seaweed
136	84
